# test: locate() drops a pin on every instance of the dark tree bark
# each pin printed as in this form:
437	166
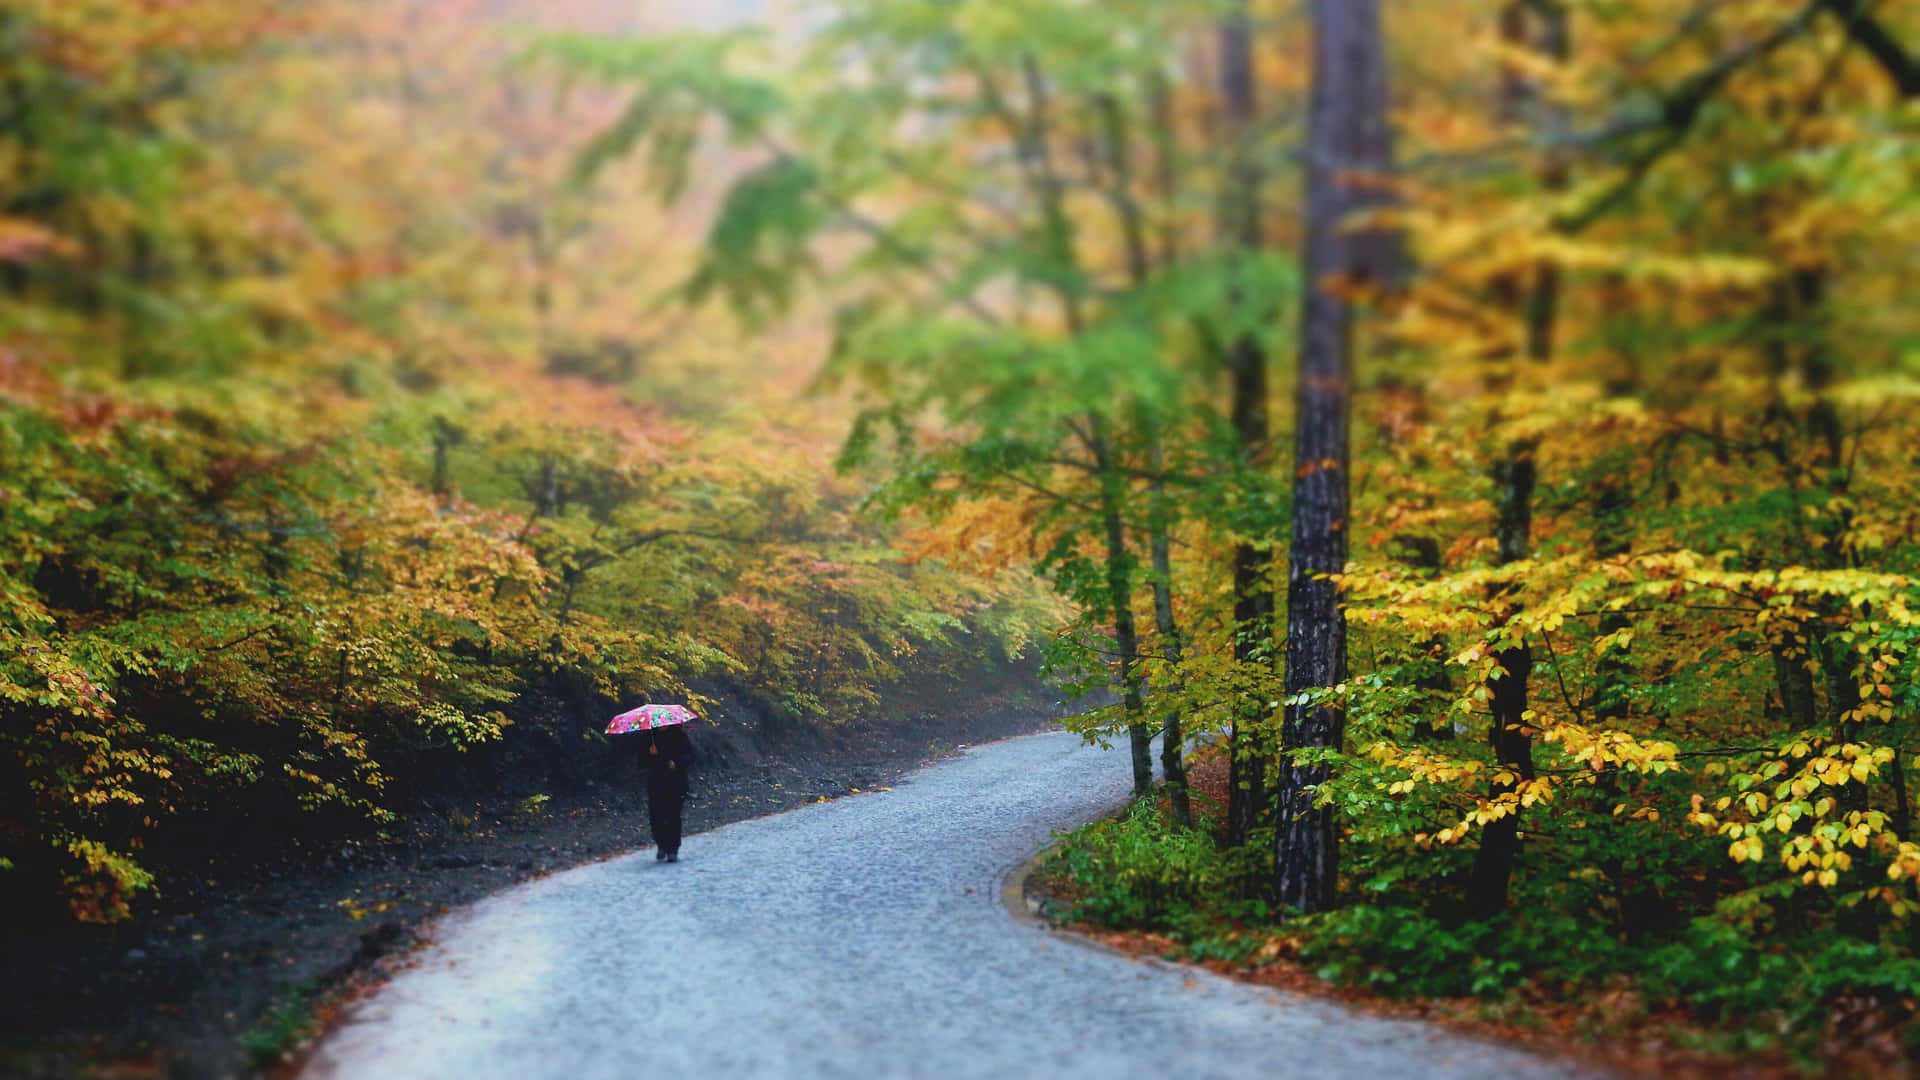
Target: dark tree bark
1126	635
1508	693
1512	746
1133	228
1172	737
1246	364
1612	535
1424	555
1349	149
446	436
1126	640
1903	828
545	492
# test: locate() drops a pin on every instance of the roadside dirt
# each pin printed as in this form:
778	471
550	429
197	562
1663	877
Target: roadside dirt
221	981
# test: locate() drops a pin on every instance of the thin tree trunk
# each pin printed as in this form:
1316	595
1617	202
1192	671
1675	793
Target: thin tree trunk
1829	472
1499	849
1424	555
445	437
1903	829
1792	678
1512	747
1037	152
1246	362
546	491
1133	229
1167	158
1902	806
1612	536
1348	140
1126	637
1172	738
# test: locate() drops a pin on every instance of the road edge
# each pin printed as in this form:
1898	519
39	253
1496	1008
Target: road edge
1025	907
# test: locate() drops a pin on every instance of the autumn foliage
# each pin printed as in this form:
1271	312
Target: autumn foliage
379	384
337	441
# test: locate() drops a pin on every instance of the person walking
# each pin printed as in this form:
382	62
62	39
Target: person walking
666	753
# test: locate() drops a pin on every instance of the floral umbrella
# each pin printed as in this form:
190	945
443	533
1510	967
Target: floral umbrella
648	717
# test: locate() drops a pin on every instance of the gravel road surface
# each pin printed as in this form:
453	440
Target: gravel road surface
861	937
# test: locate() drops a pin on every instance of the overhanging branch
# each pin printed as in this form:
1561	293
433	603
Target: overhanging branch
1867	33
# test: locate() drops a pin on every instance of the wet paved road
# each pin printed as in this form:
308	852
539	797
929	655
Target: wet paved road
862	937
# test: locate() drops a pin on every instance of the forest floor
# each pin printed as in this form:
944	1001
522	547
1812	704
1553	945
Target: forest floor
227	980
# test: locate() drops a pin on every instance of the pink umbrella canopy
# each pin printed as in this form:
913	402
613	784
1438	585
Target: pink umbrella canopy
648	717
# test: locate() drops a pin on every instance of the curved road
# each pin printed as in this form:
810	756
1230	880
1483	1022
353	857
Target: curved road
858	937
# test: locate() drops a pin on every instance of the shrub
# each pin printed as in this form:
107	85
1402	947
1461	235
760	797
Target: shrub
1402	951
1143	872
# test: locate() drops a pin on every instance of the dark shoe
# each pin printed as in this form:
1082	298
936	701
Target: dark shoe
659	856
673	856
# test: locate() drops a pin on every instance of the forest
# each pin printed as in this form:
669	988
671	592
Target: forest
340	438
1485	431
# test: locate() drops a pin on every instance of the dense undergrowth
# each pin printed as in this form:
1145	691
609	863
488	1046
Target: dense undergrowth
1703	981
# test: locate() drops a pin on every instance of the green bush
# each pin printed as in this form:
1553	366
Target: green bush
1724	971
1766	991
1404	951
1142	872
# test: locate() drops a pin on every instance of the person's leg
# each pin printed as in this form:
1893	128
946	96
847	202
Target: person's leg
671	821
663	819
666	833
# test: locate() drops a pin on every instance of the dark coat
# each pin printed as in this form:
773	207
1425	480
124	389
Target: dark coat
666	754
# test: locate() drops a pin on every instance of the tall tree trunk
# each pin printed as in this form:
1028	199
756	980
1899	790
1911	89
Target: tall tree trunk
1348	142
1037	154
1246	363
1133	230
1830	474
1126	637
